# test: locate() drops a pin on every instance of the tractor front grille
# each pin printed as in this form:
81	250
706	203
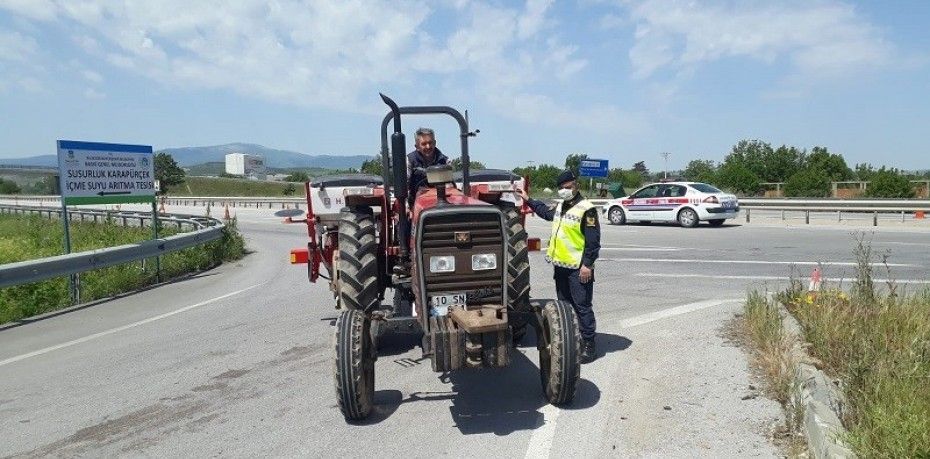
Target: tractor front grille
439	231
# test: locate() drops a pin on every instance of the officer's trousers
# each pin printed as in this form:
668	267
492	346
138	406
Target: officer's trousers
568	287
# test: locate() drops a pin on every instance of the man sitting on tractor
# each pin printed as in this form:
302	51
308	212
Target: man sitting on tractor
425	155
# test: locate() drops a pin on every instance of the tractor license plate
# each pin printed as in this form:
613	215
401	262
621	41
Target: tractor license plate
439	304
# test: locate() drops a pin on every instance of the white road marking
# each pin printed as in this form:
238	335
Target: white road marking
540	444
755	262
541	441
778	278
642	249
675	311
122	328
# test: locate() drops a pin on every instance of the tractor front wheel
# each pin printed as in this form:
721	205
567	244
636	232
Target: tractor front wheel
355	365
559	352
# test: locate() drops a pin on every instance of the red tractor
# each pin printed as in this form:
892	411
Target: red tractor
462	279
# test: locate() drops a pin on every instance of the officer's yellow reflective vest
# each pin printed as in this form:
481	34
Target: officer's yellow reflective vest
566	245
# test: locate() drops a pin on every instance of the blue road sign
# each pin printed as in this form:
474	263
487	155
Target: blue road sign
593	168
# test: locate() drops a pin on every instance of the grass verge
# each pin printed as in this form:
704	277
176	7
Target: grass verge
30	237
876	341
219	186
772	357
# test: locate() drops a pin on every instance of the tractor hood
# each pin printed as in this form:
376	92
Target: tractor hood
426	199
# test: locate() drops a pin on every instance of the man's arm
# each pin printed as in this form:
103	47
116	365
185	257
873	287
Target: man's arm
591	228
541	209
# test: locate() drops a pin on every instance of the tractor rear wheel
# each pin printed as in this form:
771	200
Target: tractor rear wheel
559	352
359	287
518	270
355	365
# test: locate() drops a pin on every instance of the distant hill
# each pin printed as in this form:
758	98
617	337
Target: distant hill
42	161
191	156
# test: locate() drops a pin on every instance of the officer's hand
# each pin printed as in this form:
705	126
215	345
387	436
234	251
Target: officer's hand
584	274
522	192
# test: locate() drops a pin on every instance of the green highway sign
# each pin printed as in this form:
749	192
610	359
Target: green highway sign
105	173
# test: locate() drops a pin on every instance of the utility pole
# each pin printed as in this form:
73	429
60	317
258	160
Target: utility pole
666	155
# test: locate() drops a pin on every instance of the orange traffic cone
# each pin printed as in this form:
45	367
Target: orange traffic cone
919	215
814	284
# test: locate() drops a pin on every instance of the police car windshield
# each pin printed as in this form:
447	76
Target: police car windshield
704	188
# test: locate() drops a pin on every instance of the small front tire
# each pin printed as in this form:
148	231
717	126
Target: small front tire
354	370
559	352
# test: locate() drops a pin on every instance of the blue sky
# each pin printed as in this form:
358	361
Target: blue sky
623	80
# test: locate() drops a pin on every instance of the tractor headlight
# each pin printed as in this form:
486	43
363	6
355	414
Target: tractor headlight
483	261
442	264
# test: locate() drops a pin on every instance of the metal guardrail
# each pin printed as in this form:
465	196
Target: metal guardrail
25	272
127	218
214	201
814	205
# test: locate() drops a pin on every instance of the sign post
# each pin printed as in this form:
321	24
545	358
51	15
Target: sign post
103	173
593	168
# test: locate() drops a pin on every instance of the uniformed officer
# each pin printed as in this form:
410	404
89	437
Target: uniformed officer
573	248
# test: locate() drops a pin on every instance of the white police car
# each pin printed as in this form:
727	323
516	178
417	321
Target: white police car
687	203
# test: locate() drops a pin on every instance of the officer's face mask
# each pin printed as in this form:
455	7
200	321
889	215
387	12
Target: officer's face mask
566	193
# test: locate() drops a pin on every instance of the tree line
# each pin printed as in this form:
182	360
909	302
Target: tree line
751	163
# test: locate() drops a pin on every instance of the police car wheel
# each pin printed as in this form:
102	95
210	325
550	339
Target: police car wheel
616	215
688	218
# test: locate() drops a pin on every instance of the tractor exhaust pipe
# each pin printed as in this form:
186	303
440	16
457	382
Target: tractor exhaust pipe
399	166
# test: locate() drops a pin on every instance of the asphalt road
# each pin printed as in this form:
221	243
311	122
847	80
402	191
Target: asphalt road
238	361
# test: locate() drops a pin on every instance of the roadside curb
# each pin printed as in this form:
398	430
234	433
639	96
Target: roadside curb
821	399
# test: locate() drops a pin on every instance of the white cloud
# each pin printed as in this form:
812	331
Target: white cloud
330	54
533	18
819	39
17	47
92	76
93	94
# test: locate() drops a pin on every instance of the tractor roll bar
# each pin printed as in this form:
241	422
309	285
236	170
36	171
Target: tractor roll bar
464	134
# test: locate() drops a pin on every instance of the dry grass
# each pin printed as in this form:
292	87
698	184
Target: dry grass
771	350
877	342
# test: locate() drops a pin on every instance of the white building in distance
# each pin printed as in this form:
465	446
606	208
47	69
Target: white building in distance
248	166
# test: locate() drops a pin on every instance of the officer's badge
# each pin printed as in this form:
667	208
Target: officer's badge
592	221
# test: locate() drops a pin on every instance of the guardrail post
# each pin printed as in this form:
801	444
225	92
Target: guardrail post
902	216
783	215
875	218
807	217
839	216
747	214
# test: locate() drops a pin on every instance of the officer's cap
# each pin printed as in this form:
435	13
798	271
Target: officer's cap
565	176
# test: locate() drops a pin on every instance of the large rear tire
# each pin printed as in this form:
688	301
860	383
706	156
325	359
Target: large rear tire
518	270
355	365
559	352
359	286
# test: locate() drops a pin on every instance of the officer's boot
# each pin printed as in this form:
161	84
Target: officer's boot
588	353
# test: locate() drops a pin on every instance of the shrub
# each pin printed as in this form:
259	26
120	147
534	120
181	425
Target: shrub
808	183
